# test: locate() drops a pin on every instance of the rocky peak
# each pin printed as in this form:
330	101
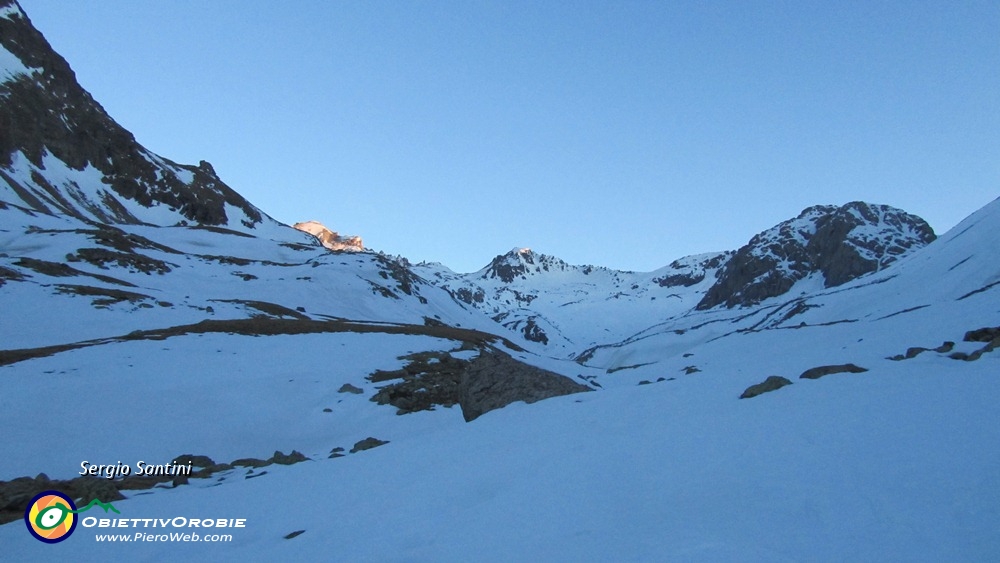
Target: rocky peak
331	239
520	263
838	243
60	152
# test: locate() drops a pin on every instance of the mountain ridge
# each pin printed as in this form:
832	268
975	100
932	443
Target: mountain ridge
63	153
540	296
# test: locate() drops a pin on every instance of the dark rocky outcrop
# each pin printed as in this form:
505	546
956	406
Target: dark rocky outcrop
988	334
467	295
428	380
491	381
687	272
194	460
288	459
533	332
818	372
915	351
6	274
398	269
348	388
840	243
509	266
523	262
16	493
772	383
494	380
250	462
367	444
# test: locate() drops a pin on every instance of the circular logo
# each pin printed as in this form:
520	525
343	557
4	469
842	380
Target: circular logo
50	517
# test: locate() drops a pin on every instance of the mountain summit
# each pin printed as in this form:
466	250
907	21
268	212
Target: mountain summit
837	244
330	239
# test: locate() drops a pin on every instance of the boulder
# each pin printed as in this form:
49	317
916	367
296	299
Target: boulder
367	444
290	459
348	388
194	460
818	372
988	334
772	383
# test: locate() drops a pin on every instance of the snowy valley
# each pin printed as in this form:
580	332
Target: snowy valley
351	405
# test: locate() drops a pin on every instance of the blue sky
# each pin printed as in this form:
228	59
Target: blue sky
623	134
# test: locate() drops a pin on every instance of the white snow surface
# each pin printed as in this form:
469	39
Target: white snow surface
897	464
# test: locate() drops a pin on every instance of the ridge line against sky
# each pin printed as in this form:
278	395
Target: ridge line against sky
623	135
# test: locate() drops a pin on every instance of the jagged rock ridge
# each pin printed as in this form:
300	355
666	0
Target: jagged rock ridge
56	140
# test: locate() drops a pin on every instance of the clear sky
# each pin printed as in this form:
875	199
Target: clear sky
623	134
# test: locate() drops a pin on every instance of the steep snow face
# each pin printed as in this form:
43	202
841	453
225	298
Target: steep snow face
836	244
61	153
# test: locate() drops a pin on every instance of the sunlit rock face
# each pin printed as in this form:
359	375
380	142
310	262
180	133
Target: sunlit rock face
331	239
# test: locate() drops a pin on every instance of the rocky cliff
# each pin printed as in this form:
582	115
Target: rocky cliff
60	152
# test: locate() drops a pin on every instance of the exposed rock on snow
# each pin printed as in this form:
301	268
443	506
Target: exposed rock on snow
772	383
988	334
818	372
367	444
839	243
330	239
348	388
691	270
429	379
495	380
